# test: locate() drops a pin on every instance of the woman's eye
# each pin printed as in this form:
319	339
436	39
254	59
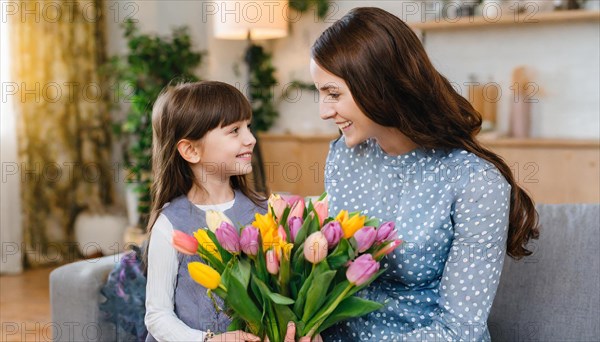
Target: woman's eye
334	96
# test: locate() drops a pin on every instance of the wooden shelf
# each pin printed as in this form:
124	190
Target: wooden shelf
541	143
298	137
508	20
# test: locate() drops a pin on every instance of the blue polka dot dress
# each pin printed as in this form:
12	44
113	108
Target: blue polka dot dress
451	210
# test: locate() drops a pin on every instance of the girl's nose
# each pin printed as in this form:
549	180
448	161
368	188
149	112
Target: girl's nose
250	140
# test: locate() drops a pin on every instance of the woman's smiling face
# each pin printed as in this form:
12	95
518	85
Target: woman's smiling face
336	103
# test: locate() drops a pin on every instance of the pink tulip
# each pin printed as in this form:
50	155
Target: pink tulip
292	199
315	247
333	233
184	243
386	232
364	238
297	208
281	233
228	237
272	261
295	223
321	207
362	269
249	240
278	204
388	248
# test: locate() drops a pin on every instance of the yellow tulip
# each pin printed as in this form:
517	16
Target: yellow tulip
205	242
204	275
215	218
268	230
286	249
350	225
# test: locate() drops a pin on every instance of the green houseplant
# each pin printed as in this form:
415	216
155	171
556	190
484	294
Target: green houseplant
150	64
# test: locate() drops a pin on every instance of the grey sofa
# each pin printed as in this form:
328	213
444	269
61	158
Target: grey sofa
552	295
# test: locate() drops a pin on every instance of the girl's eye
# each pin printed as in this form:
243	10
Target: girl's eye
235	130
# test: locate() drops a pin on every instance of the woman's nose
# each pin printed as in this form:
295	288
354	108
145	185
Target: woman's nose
326	111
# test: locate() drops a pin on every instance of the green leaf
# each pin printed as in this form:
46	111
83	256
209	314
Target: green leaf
301	299
340	255
372	222
284	315
275	297
261	263
317	293
211	260
322	197
243	305
350	307
241	270
224	253
314	226
236	324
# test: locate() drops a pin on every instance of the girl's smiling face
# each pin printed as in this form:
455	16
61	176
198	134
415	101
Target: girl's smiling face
336	103
227	150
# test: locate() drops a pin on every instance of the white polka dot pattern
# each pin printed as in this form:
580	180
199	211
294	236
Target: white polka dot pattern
451	210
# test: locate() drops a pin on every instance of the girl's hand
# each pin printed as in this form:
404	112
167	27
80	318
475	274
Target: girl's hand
234	336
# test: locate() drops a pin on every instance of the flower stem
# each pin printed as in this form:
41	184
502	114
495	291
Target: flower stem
322	317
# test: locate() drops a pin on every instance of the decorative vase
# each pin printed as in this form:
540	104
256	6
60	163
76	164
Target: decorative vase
99	233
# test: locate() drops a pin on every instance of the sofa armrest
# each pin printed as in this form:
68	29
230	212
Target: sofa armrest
74	298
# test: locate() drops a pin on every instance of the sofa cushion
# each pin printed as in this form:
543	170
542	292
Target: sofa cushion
554	294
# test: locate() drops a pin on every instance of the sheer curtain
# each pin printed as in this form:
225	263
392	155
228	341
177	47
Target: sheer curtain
11	233
63	126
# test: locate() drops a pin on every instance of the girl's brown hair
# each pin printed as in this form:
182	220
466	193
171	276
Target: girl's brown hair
394	83
189	111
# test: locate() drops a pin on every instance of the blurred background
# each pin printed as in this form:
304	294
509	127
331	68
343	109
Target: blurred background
79	78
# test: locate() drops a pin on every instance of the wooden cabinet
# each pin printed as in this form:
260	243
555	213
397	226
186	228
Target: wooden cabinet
552	171
295	163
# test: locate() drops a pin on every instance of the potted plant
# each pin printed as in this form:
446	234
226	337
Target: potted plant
150	64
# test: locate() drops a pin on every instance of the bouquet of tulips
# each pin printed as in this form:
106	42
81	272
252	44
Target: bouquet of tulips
292	264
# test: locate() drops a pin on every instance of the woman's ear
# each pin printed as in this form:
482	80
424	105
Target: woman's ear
188	151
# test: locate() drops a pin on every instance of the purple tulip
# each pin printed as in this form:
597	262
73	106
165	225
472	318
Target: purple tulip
228	237
365	237
333	233
386	232
362	269
272	261
249	240
294	223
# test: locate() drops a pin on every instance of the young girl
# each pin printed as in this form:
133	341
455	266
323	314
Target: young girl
409	154
202	148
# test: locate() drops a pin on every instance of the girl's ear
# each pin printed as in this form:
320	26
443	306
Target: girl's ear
188	151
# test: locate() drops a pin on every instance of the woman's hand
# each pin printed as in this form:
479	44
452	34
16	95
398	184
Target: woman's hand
291	334
234	336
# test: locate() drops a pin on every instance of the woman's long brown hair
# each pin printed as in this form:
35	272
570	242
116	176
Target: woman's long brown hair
190	111
395	84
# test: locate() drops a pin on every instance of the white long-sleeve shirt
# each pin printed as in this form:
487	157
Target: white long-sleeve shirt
161	321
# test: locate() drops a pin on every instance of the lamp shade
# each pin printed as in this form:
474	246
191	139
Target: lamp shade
255	19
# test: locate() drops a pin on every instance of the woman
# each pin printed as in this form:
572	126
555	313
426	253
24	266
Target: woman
408	153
